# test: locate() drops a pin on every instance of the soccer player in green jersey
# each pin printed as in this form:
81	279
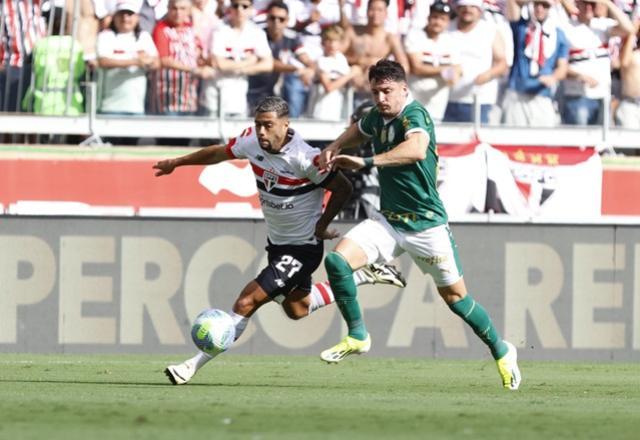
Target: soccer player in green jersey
412	217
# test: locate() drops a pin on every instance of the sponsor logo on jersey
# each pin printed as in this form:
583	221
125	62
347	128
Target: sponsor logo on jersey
281	206
269	180
433	260
404	217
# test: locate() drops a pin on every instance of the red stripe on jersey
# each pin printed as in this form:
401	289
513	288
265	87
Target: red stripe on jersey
281	179
325	294
16	50
578	51
227	149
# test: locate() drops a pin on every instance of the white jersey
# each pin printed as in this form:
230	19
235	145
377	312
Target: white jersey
288	186
589	54
432	92
475	49
123	89
327	106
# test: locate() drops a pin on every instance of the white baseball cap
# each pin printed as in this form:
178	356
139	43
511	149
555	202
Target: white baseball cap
477	3
129	5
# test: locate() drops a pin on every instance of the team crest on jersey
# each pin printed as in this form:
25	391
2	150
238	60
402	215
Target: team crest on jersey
269	179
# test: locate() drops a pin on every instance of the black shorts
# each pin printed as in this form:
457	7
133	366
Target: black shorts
290	267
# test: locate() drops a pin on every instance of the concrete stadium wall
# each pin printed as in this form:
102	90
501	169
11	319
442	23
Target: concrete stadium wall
116	285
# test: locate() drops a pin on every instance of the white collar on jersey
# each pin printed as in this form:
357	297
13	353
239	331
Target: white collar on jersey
406	103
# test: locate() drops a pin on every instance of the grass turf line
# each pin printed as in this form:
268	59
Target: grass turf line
295	397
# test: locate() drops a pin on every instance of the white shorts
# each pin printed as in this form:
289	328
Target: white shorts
433	250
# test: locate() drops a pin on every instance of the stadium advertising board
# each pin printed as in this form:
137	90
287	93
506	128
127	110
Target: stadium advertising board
133	285
525	182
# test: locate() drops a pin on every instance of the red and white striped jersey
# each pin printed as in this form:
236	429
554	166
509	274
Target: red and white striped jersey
176	90
289	185
22	26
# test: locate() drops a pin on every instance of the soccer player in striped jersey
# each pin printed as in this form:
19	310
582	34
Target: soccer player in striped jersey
291	190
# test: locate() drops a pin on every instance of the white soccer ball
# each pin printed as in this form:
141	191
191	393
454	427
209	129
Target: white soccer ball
213	331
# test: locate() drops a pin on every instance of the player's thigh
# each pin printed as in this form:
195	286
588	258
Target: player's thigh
289	268
376	239
435	252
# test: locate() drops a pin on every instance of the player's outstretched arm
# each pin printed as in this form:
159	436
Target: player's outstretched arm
341	190
412	149
205	156
350	138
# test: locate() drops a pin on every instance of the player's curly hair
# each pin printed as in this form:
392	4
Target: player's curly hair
387	70
273	104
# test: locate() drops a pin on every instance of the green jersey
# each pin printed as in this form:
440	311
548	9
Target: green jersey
409	197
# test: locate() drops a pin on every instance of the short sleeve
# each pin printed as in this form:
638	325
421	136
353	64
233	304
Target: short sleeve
218	42
412	42
324	64
416	120
297	47
365	124
563	45
262	45
309	164
237	147
145	43
161	41
105	44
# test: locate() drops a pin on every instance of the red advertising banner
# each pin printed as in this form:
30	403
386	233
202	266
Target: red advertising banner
550	182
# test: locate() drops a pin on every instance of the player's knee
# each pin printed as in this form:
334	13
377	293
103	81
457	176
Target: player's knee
295	311
245	305
336	265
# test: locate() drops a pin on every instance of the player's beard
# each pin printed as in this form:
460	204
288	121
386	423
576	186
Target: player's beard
386	113
267	146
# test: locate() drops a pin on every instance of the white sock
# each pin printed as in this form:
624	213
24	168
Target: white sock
321	295
240	322
199	360
359	278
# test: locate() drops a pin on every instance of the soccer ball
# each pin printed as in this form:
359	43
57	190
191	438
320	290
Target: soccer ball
213	331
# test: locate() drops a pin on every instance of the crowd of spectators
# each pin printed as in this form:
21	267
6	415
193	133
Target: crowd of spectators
520	62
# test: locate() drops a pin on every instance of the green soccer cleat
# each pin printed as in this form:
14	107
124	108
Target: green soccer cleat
508	368
344	348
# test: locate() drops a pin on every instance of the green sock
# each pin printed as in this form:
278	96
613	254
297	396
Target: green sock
345	291
478	319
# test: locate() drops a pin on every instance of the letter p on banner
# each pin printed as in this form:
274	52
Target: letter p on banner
18	289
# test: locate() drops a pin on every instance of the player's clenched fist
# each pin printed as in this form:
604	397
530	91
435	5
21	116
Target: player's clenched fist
164	167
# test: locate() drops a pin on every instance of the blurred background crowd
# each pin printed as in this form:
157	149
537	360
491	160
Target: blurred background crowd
512	62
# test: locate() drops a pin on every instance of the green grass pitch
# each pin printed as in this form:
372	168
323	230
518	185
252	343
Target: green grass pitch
299	397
